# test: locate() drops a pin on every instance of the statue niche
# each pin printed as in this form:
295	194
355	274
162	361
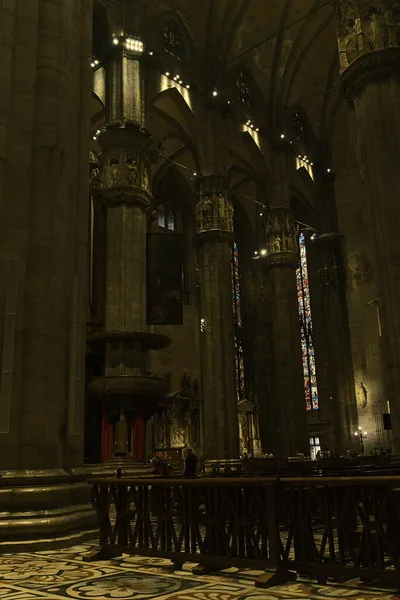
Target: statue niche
214	212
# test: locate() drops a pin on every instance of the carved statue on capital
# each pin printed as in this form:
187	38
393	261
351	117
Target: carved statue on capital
125	162
214	211
366	26
280	232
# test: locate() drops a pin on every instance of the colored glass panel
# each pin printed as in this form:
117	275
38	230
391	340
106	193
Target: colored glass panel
172	40
307	343
243	89
237	316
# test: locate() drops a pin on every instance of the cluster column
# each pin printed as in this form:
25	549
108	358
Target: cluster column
214	215
130	396
44	145
286	406
369	55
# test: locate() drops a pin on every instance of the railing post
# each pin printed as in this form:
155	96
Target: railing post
274	496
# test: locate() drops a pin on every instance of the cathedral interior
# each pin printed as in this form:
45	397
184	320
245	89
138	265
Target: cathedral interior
199	214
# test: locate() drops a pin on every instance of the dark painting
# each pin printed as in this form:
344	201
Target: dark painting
164	279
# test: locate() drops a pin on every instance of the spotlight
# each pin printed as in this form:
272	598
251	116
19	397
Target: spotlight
282	136
115	41
257	129
215	93
180	82
261	214
195	174
150	53
313	237
188	87
328	170
167	74
229	101
255	252
263	252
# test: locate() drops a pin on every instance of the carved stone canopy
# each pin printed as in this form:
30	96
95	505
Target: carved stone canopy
245	406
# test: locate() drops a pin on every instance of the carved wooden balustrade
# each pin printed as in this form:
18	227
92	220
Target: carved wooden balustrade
341	527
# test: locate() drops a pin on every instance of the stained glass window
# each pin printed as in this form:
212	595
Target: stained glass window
161	216
307	343
172	40
236	285
237	315
243	89
298	128
166	218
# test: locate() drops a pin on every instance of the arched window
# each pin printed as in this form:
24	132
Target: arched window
172	40
300	145
307	342
237	316
167	218
298	128
243	89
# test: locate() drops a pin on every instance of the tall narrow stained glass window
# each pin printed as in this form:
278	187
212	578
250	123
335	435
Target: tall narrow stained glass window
243	89
307	343
237	316
172	40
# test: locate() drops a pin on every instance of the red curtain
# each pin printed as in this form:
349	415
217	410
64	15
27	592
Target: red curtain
138	438
107	436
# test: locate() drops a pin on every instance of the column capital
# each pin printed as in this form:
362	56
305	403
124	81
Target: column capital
126	165
214	210
281	242
368	40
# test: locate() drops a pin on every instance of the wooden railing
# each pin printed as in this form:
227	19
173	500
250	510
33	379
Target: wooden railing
325	527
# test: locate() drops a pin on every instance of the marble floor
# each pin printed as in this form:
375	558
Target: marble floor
66	573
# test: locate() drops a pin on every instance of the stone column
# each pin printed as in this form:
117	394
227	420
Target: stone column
214	215
44	137
287	408
259	325
126	193
369	55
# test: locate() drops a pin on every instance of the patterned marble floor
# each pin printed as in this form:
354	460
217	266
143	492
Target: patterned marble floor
59	574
